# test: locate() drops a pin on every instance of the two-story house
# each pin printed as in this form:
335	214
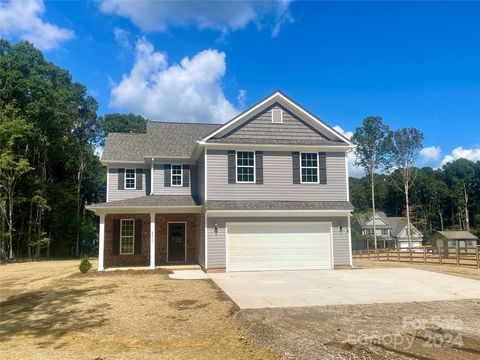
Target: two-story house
267	190
391	231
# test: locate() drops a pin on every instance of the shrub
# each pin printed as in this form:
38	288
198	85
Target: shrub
85	265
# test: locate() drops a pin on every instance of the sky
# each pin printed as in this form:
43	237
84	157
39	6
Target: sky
415	64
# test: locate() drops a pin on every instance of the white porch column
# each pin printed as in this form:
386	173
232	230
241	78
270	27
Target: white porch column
152	240
101	242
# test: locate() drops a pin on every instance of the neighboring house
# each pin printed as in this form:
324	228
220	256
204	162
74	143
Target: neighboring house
268	190
391	231
450	241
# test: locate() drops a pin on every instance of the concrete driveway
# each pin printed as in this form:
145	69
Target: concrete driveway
253	290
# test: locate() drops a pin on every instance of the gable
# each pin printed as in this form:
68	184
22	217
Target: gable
299	127
378	222
261	129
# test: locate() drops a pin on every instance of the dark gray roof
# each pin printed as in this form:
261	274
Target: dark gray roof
175	140
124	147
150	201
278	205
457	235
320	141
163	139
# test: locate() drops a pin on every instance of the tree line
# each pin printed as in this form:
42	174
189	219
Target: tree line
445	198
49	171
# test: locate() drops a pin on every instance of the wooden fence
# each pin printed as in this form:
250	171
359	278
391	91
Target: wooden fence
424	255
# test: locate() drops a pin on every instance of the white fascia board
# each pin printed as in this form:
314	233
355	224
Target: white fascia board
323	148
277	213
145	209
278	96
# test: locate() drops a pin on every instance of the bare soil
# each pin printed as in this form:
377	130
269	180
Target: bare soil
468	272
51	311
433	330
48	310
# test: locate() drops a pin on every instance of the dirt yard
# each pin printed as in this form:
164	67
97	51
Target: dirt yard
472	273
46	313
50	311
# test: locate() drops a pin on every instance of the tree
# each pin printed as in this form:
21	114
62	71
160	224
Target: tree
15	135
123	123
406	143
372	142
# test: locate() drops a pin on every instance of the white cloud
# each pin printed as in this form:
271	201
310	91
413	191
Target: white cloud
223	16
241	98
122	37
188	91
460	152
353	170
430	154
22	19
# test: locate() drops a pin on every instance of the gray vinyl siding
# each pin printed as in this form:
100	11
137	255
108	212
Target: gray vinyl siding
199	181
277	179
159	183
217	242
115	194
261	127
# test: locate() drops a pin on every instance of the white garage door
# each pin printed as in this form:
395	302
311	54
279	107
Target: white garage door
278	246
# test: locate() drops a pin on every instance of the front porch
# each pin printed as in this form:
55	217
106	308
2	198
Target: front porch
136	240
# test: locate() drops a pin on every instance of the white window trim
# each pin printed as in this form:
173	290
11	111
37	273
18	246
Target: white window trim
254	167
281	116
181	175
121	235
309	167
134	179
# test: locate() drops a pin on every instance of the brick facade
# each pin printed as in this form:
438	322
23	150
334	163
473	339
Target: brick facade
161	221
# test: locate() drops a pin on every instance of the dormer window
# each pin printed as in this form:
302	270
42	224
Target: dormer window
130	179
277	116
177	175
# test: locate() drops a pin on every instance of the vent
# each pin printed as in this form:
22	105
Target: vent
277	116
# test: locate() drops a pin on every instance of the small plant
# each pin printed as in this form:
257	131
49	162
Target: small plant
85	265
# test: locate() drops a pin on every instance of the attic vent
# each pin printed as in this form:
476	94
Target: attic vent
277	116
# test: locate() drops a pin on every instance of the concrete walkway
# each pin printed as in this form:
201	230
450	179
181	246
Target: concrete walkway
270	289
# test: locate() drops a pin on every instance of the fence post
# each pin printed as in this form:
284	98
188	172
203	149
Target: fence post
378	255
360	254
458	256
410	251
424	255
398	254
388	254
440	255
368	253
477	254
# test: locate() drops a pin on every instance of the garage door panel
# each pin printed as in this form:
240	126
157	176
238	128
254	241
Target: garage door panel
278	246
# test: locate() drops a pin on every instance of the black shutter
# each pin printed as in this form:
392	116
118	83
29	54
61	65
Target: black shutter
259	167
296	167
167	175
121	179
232	176
322	166
116	237
138	237
186	175
138	174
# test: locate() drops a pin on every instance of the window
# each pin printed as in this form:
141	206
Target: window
177	175
245	166
384	231
369	231
130	179
309	168
127	236
277	116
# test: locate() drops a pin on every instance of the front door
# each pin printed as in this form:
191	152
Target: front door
176	242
